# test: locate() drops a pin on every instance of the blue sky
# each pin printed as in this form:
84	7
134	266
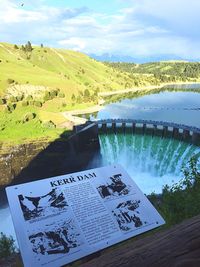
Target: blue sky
137	28
100	6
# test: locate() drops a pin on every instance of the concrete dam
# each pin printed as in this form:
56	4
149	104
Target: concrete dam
154	153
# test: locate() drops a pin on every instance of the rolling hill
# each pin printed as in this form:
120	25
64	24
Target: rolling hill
67	70
38	84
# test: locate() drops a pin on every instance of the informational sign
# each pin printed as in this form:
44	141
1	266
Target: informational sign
62	219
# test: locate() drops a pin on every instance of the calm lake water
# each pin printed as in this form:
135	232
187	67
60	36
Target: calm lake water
178	107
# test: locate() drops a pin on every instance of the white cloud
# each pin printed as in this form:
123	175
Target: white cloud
147	28
11	13
76	44
179	16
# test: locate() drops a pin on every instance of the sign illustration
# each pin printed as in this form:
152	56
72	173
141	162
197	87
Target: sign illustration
62	219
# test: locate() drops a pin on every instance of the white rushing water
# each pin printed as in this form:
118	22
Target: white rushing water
152	162
6	225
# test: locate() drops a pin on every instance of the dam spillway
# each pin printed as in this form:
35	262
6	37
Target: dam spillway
158	128
150	160
154	153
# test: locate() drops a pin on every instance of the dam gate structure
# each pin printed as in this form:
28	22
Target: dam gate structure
162	129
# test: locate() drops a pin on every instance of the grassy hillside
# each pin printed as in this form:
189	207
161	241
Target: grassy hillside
69	71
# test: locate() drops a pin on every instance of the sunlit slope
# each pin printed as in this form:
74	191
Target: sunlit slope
56	68
176	68
163	71
165	67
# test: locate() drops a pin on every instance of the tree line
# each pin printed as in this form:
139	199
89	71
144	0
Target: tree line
164	71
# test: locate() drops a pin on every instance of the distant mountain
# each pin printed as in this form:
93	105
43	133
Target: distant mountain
113	58
129	59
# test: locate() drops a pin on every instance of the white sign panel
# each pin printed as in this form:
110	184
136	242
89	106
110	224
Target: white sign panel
61	219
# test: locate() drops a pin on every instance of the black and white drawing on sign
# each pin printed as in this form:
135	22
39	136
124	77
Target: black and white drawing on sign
56	238
42	206
114	187
127	215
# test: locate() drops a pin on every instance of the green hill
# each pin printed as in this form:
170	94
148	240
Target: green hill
67	70
36	85
164	71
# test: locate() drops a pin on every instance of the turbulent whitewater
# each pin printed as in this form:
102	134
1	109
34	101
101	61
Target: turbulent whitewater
151	161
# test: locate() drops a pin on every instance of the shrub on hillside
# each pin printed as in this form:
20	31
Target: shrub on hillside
73	98
86	83
7	246
38	103
19	98
31	102
7	110
2	101
13	99
10	107
2	128
64	104
61	95
10	81
53	94
23	48
86	93
49	124
28	117
25	103
28	47
79	99
47	96
29	97
181	200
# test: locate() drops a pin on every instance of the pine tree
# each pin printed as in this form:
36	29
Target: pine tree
23	48
87	93
28	47
73	98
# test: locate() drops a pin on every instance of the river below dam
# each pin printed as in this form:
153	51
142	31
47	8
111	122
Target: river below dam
151	161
